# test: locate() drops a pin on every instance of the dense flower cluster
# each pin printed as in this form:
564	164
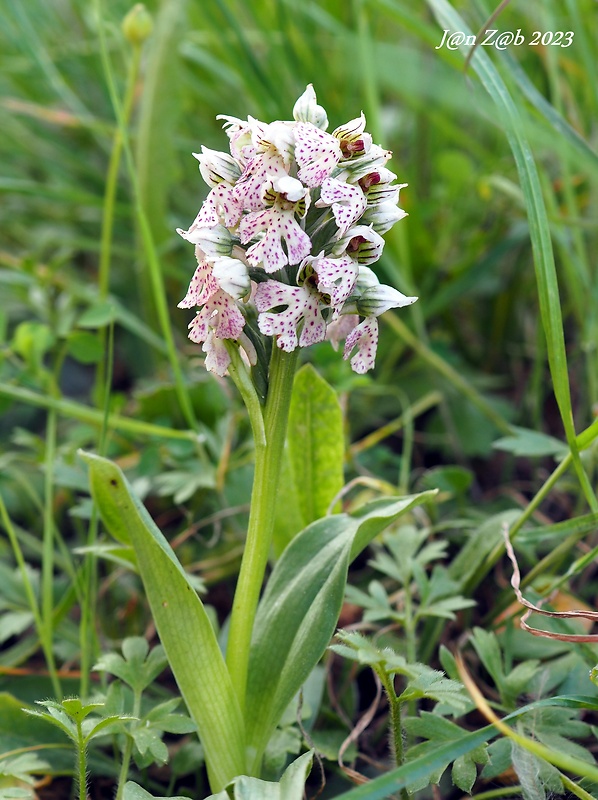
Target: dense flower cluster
286	236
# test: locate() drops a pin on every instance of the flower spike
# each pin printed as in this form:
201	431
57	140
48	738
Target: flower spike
286	237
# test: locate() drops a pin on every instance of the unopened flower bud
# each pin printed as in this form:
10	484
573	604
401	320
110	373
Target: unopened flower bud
306	109
137	25
232	276
383	217
215	241
378	299
217	167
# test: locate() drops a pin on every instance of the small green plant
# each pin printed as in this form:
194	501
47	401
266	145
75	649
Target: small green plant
82	724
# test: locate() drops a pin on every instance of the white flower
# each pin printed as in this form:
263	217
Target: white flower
365	338
372	298
232	276
340	328
361	243
279	223
258	218
383	217
215	240
301	311
348	202
221	314
358	167
354	141
239	133
317	153
202	285
217	357
216	167
336	277
375	300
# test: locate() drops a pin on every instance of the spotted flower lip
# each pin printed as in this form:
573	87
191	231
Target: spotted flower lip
286	238
317	154
347	201
301	310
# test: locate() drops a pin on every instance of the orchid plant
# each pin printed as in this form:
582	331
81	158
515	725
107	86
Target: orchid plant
285	242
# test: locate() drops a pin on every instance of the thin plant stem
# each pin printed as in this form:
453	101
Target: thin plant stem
87	632
153	263
268	458
396	724
583	440
21	563
47	576
92	416
108	207
112	177
81	761
503	791
128	750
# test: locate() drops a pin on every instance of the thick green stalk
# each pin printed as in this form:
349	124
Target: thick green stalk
268	462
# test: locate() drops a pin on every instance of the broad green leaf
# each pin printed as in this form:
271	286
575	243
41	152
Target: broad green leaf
313	471
182	622
526	442
133	791
98	315
298	613
290	787
85	347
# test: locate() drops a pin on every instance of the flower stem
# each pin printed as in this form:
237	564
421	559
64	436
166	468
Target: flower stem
268	458
396	724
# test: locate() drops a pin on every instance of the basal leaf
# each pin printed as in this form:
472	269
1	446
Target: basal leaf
182	622
300	607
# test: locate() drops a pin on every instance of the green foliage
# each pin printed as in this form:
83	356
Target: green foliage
312	472
501	167
184	626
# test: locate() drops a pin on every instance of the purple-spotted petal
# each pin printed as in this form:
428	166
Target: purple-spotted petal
302	307
268	251
260	170
340	328
317	153
202	285
221	314
365	338
348	202
217	357
336	277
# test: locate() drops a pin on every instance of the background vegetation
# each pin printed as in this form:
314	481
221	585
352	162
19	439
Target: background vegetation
480	389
